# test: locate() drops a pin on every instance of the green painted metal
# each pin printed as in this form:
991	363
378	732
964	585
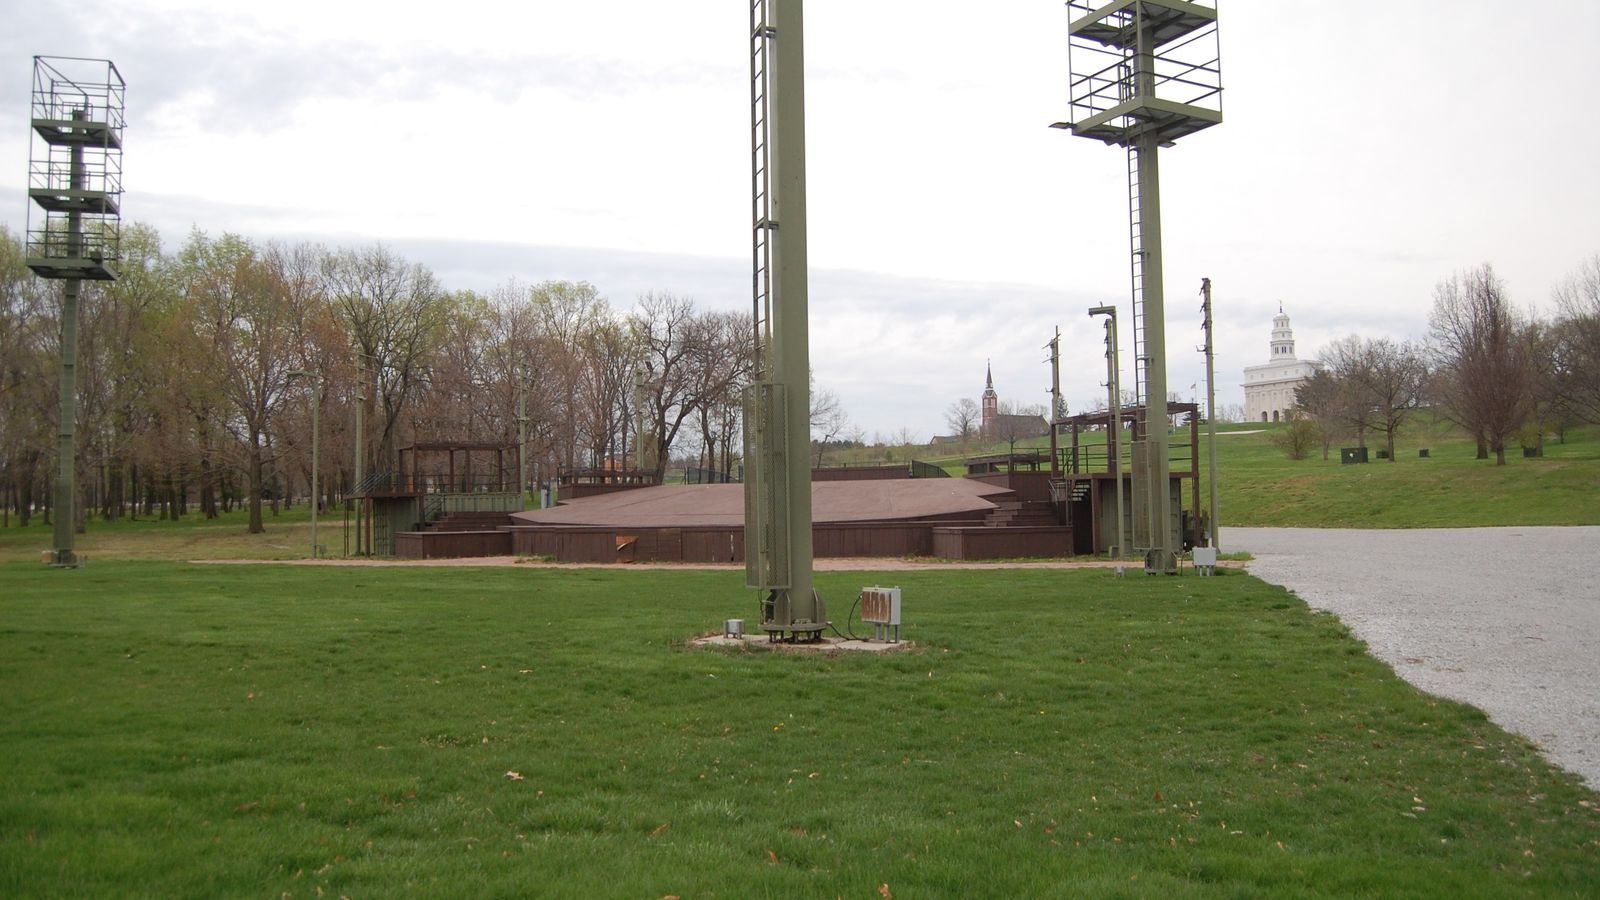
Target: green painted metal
1124	54
1160	553
361	452
74	171
777	424
1114	431
1211	411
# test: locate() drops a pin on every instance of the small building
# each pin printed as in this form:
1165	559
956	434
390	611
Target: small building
1269	388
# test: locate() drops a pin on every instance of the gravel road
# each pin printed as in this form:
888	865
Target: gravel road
1507	619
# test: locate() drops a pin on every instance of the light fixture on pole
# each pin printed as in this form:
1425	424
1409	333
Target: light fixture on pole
1211	406
1114	426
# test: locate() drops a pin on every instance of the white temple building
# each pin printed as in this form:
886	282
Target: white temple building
1269	388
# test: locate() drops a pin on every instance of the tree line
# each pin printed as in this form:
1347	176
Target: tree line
1499	373
197	372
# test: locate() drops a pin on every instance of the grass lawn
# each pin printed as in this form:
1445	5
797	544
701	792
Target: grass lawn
288	536
1259	485
209	731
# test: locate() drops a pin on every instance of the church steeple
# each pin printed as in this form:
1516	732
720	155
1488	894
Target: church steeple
991	400
1282	337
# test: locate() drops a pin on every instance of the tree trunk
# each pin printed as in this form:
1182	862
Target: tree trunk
1483	449
254	479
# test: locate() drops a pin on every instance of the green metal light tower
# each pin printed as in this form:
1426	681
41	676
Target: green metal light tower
75	181
1144	74
777	420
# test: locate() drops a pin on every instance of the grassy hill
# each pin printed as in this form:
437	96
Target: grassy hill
1258	485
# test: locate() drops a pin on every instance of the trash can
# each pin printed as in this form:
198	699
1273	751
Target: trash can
1423	453
1348	455
1383	454
1530	452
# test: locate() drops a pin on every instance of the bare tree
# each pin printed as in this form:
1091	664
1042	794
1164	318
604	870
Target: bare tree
828	419
393	311
1481	352
1346	360
249	314
1390	382
666	329
1576	342
963	419
1320	401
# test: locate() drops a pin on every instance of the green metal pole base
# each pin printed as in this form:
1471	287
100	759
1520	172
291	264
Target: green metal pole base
1160	561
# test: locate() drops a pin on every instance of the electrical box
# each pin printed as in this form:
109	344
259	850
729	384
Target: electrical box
880	608
1205	560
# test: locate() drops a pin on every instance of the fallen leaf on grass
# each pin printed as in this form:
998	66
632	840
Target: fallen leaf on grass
661	829
883	891
772	857
513	776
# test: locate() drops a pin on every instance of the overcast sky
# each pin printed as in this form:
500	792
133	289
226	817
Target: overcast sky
1368	150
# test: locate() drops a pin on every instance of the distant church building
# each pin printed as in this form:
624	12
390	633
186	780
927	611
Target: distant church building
991	400
999	426
1269	388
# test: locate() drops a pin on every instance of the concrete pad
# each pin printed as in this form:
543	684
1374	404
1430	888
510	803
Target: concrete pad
754	642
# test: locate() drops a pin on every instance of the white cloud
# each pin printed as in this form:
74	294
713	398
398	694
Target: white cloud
1369	150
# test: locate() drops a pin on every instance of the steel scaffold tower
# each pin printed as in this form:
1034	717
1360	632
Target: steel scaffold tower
1144	74
75	180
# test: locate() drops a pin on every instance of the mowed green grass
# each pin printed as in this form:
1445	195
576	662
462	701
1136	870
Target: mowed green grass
219	731
287	536
1258	485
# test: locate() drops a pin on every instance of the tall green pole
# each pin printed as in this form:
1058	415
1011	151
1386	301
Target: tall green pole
791	357
1211	409
1160	558
65	502
361	444
1055	399
1114	426
316	461
522	437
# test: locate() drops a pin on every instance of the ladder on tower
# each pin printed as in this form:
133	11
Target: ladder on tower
1139	445
1141	353
765	224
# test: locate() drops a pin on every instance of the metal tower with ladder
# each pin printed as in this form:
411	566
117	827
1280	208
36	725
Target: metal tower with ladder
1145	73
777	422
75	180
